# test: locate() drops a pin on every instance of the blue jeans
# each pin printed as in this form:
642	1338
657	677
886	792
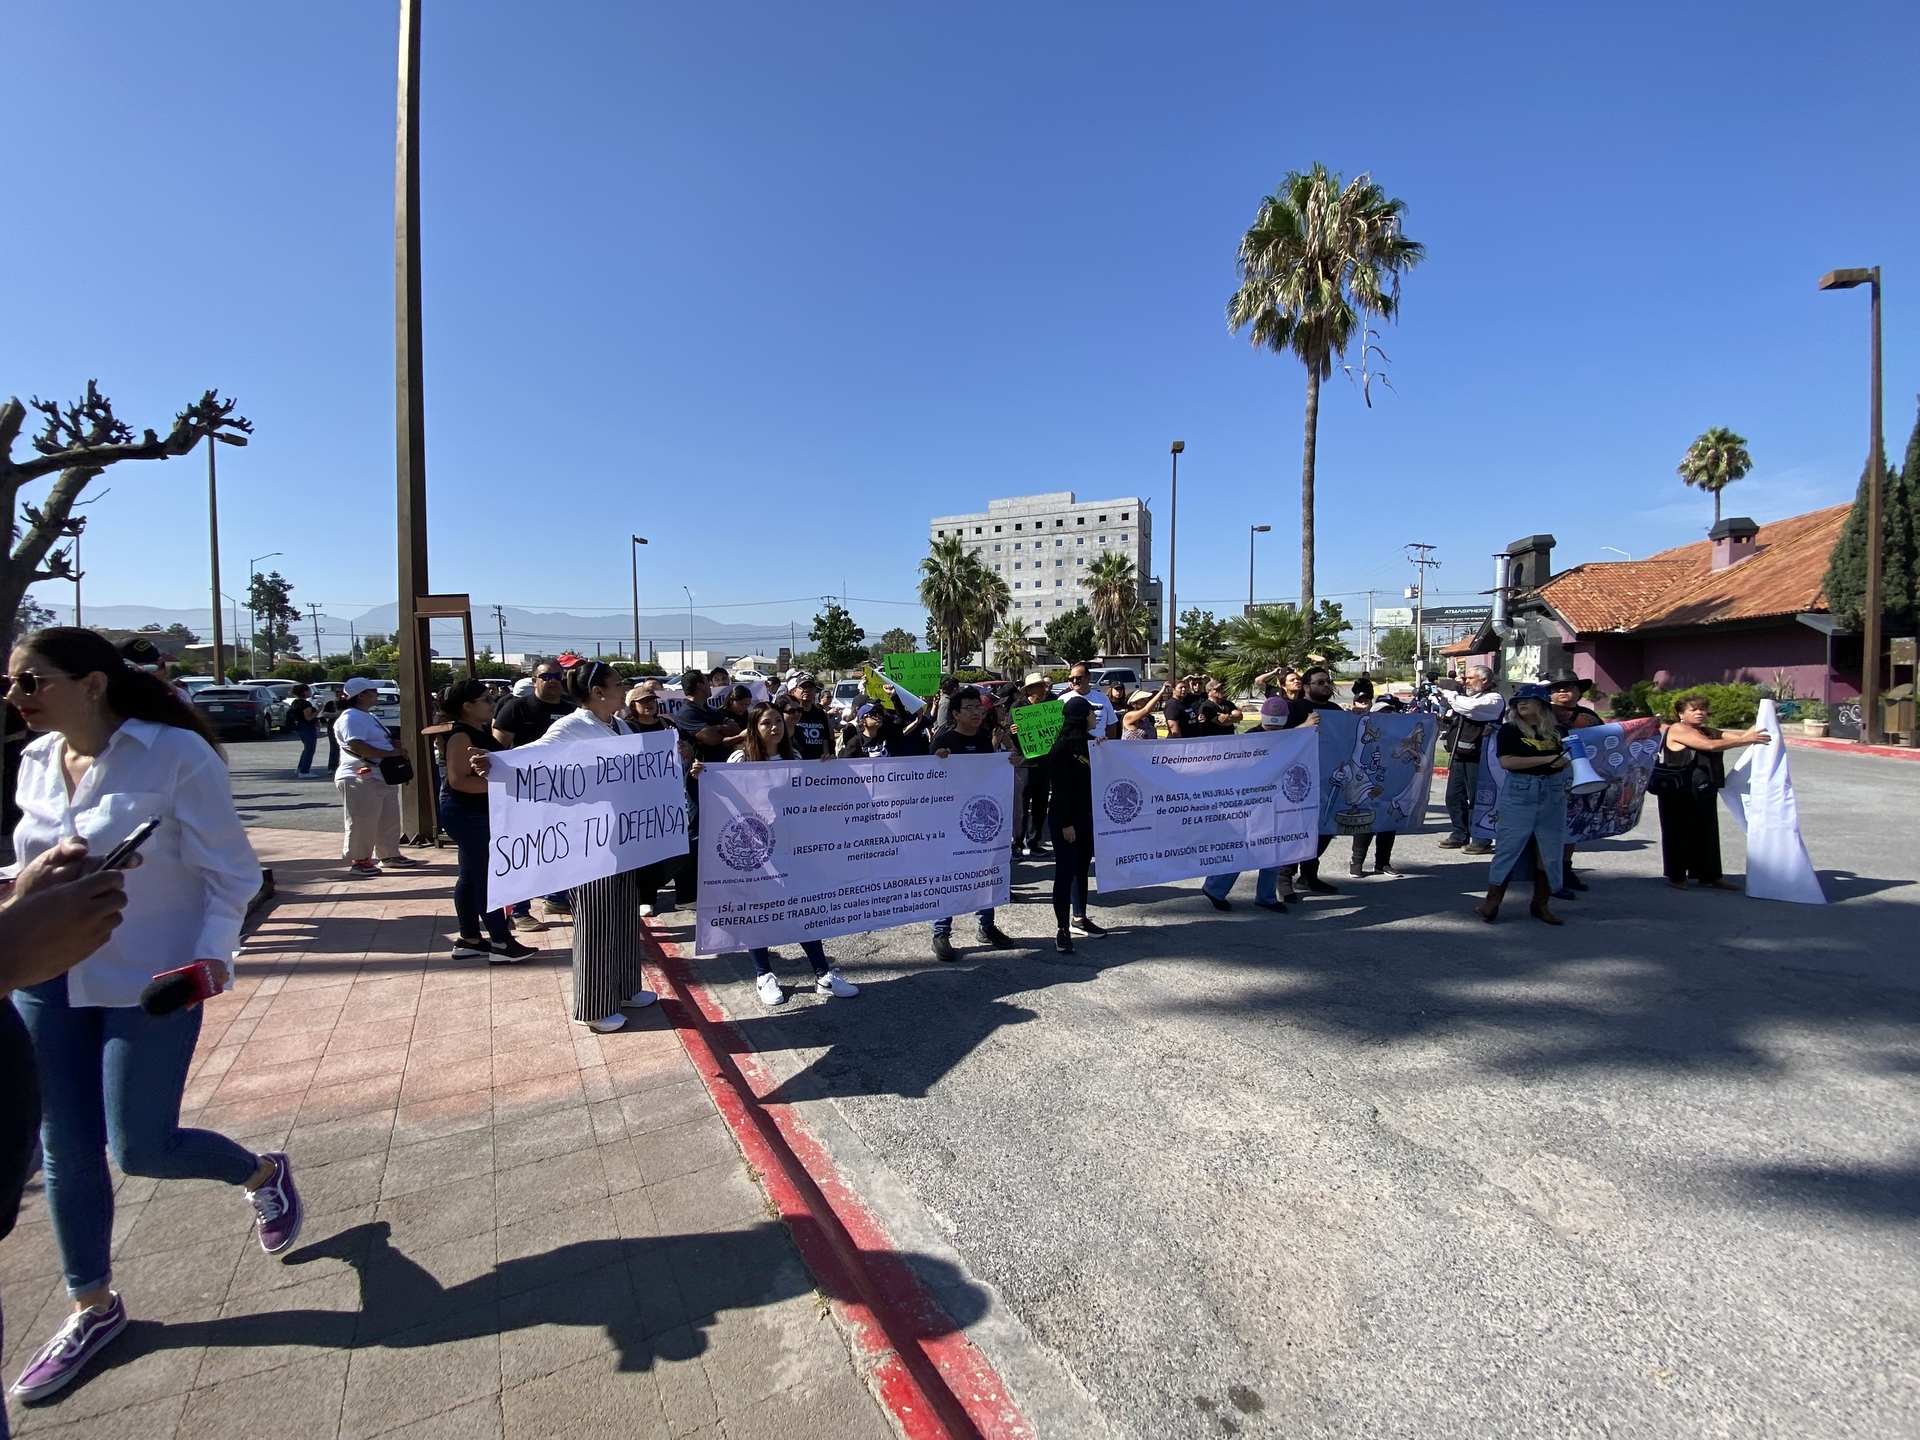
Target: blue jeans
816	954
1532	806
944	925
469	832
309	737
1266	888
111	1077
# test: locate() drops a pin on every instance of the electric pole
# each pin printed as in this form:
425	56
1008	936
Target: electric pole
1367	660
313	608
1421	558
500	619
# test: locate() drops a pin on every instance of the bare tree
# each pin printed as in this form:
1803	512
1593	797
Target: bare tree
75	445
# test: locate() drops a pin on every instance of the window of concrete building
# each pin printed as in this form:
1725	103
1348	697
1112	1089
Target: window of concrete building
1103	519
996	549
1016	584
1059	522
1016	564
1123	537
1079	559
941	533
996	529
976	529
1126	514
1079	519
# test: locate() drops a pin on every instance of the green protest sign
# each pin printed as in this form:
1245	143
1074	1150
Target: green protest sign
1038	726
917	673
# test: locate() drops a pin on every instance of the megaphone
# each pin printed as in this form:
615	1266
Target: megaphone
1586	779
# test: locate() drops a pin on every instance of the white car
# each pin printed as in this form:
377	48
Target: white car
848	696
386	708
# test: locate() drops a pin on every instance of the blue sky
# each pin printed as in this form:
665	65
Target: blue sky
773	284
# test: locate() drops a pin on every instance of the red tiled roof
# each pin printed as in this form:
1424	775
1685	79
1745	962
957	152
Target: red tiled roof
1679	587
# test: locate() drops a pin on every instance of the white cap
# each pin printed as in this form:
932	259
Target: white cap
358	685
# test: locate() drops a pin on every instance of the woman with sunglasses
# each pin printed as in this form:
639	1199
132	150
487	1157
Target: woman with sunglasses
766	741
122	748
607	949
642	715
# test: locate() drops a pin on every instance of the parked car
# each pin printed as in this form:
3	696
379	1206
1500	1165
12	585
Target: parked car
386	708
326	699
236	709
848	696
193	684
280	690
1125	674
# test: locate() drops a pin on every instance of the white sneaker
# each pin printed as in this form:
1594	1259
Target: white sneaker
640	999
831	984
607	1026
768	988
645	911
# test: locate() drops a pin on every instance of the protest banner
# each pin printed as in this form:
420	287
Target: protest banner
1622	753
794	852
1173	809
1036	727
574	811
1759	794
917	673
1375	770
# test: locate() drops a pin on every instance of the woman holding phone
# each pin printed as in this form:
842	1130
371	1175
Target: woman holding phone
122	748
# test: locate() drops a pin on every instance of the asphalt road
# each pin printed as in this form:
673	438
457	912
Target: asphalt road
265	791
1376	1168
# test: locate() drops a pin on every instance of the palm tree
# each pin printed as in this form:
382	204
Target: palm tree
1272	636
1011	651
1715	461
986	608
1319	258
1111	596
949	577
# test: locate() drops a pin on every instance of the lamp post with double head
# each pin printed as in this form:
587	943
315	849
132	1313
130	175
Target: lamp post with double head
633	553
253	615
1870	609
216	439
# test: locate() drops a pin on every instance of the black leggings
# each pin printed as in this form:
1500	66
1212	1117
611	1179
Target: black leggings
1071	861
1382	847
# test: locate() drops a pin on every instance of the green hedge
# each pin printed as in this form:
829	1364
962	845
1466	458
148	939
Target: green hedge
1729	707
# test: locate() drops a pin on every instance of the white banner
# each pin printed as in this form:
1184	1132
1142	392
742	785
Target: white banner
807	851
1759	794
1171	809
576	810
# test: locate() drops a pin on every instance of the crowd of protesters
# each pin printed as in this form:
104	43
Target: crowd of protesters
83	950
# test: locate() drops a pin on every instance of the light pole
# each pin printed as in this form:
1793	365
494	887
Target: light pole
213	544
686	662
1173	566
1870	611
253	615
1252	530
633	553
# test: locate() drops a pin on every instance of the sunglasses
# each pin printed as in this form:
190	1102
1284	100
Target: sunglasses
540	677
28	682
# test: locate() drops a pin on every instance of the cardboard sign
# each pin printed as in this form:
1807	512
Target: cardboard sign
1038	726
917	673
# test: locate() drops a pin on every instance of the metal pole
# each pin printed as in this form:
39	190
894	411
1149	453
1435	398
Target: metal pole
1870	641
633	552
410	431
313	608
686	662
76	573
1173	568
213	552
1251	530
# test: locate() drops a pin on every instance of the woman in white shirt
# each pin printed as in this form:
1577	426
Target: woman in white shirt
372	805
123	749
607	948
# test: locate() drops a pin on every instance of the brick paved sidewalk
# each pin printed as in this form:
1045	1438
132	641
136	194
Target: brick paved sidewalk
514	1227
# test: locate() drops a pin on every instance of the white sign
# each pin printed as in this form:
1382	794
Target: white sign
1393	615
577	810
1759	793
1171	809
806	851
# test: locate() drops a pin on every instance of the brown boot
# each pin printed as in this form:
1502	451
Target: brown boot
1489	908
1542	892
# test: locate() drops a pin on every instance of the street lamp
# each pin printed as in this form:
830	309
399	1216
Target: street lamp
253	615
1252	530
633	552
1173	566
686	662
1870	619
213	541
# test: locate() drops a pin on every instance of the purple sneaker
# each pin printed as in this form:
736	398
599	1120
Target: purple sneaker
56	1364
278	1206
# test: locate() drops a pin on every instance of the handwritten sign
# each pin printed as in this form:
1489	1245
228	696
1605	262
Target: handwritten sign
1038	726
563	814
917	673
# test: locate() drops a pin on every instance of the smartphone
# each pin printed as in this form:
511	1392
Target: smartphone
117	857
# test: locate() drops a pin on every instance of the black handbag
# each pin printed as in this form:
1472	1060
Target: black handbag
1689	778
396	769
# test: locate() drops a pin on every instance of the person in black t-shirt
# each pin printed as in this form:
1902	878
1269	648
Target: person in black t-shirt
1533	805
969	734
1204	721
811	727
523	719
711	730
1318	685
1030	773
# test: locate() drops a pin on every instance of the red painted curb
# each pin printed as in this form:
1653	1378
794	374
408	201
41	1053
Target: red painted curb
934	1381
1852	747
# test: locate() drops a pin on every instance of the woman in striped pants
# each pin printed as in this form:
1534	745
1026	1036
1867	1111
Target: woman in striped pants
606	912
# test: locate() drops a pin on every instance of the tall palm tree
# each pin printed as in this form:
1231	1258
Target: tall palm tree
1715	461
988	602
1011	650
949	577
1111	595
1319	258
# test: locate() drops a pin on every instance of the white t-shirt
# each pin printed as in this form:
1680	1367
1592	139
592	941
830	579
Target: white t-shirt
357	724
1103	715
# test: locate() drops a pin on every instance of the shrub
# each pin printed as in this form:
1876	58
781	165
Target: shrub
1815	710
303	671
1632	702
976	677
1729	707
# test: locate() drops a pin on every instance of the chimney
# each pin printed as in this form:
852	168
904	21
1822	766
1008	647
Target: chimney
1530	562
1734	539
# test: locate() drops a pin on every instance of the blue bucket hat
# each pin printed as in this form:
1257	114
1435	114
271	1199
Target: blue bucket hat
1534	692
